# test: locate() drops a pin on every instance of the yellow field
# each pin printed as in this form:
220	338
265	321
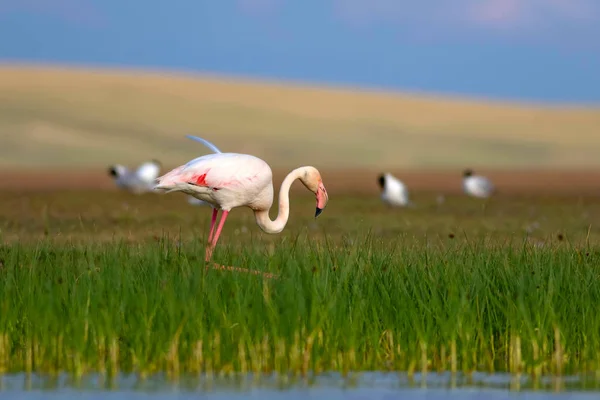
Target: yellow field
66	116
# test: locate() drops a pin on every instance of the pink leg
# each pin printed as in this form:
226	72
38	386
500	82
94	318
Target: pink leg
212	243
212	225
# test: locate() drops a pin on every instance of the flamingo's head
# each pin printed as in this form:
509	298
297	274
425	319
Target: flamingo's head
311	178
117	170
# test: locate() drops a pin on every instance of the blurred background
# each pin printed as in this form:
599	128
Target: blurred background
359	86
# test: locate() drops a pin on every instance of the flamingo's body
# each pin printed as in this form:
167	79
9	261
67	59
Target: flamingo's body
229	180
394	192
224	180
477	185
140	180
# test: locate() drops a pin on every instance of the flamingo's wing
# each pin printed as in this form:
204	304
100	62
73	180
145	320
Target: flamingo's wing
148	171
205	142
217	171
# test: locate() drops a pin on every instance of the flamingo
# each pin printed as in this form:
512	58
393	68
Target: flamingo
394	192
477	185
230	180
136	181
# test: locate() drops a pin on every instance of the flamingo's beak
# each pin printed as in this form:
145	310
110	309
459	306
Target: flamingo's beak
322	199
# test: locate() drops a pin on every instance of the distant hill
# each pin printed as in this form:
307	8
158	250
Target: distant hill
57	117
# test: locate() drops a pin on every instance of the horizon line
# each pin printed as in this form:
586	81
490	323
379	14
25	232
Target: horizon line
261	79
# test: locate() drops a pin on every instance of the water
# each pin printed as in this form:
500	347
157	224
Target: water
363	386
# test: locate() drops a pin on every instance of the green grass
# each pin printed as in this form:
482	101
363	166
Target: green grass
374	305
88	286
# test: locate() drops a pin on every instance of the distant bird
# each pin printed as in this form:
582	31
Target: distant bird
229	180
393	191
136	181
197	202
476	185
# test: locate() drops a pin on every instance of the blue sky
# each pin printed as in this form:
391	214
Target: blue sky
531	50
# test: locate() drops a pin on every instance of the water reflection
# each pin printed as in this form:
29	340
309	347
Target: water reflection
366	385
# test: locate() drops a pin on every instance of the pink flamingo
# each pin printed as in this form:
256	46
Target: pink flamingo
229	180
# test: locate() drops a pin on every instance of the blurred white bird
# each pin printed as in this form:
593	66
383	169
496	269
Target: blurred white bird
137	181
476	185
197	202
393	192
143	179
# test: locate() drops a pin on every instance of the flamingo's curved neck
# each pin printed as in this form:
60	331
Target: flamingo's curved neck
262	216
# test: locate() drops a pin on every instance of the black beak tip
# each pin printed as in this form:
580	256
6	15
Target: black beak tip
318	212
